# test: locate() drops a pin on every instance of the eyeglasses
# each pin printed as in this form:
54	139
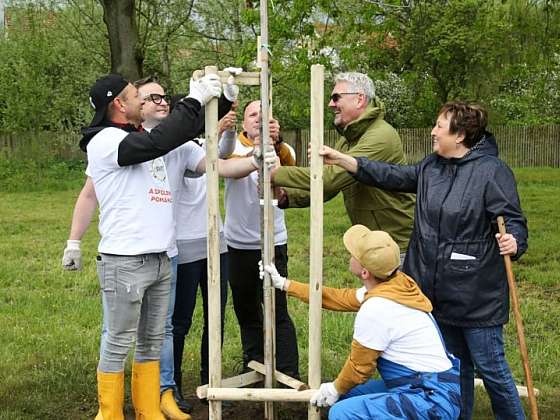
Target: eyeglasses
156	98
335	97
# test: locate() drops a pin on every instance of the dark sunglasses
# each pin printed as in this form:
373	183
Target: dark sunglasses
156	98
335	97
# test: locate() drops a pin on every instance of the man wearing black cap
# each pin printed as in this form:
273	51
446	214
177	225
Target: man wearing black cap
136	226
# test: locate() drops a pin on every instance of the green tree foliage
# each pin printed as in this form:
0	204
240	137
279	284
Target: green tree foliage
45	71
527	91
503	53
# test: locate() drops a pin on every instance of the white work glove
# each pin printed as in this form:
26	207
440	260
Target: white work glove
231	90
270	158
277	280
326	396
205	88
72	258
234	71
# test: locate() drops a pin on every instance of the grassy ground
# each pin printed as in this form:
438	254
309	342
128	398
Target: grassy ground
50	319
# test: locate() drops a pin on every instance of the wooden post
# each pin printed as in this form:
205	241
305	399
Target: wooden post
279	376
213	249
259	394
299	148
267	215
316	232
238	381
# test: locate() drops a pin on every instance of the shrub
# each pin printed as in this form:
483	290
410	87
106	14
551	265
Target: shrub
24	175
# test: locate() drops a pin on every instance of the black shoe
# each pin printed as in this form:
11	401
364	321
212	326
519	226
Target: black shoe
181	403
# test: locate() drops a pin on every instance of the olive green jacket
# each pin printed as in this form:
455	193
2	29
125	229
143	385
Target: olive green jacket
370	136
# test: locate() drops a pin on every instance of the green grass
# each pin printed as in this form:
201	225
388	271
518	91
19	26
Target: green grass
50	319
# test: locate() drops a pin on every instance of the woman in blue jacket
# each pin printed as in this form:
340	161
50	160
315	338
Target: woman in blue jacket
455	251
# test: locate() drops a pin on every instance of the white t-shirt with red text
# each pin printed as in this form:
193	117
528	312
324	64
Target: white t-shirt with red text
135	202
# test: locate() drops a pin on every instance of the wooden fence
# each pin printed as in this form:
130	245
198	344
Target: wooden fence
519	146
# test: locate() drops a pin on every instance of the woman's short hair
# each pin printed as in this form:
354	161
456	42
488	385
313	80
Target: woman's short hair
469	119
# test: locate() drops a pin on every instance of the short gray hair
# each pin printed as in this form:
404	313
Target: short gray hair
359	82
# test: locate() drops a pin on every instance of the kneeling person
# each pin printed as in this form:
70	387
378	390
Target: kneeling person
393	331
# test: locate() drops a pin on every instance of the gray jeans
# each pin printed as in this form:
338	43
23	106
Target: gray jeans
135	293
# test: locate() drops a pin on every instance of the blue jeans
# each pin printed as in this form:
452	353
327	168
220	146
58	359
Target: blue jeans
135	295
191	276
166	356
166	379
483	348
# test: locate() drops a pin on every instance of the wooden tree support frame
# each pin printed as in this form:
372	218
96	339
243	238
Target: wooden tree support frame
259	394
231	388
245	78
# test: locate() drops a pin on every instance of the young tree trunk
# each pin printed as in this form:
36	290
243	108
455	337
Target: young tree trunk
126	57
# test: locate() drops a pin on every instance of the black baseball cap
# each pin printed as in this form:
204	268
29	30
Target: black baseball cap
102	93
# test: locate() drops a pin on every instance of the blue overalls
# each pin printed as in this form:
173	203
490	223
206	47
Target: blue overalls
404	394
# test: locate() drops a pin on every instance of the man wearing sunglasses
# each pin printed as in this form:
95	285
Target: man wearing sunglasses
359	119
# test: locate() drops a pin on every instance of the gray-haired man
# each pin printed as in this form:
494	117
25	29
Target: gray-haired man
359	119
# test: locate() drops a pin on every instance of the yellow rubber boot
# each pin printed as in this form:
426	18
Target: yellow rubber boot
145	390
110	394
169	407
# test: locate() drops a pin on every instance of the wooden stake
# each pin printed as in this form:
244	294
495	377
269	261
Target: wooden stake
259	52
259	394
316	232
519	327
279	376
243	78
238	381
213	249
267	219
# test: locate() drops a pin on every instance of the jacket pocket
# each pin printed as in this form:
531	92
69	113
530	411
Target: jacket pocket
458	292
464	256
462	266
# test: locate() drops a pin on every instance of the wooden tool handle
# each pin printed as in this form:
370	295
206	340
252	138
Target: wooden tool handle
519	327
